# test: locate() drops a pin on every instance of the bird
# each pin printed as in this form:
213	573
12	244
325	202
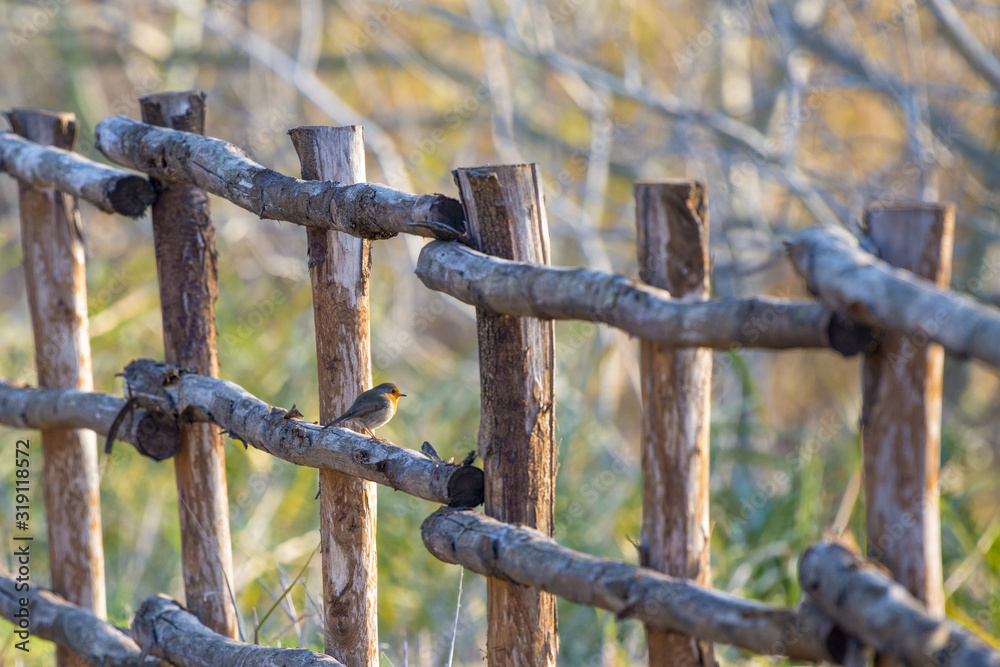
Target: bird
372	408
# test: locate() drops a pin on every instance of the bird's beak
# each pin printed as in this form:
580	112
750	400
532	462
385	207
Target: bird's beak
402	395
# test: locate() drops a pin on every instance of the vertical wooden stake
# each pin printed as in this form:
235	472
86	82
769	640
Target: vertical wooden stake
506	218
672	219
340	267
901	415
57	297
184	239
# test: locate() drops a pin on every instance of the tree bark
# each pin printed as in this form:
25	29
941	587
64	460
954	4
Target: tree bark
171	396
506	218
559	293
153	433
672	221
868	604
523	556
109	189
847	278
93	640
184	239
164	628
340	268
901	413
366	210
55	274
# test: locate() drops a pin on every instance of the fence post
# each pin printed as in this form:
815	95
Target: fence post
184	239
901	414
672	220
506	218
340	268
54	271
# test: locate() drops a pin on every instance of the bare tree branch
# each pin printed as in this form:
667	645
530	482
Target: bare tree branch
109	189
367	210
525	556
171	632
528	290
880	612
965	42
50	617
850	280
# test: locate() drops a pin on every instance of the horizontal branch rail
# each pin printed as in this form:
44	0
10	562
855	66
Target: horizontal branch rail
152	433
366	210
50	617
847	278
176	635
881	613
529	290
201	399
268	429
525	556
109	189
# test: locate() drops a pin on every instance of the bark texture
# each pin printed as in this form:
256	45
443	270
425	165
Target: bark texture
558	293
506	218
153	433
868	604
367	210
244	416
184	239
70	627
55	275
846	277
672	221
167	630
109	189
901	415
340	268
526	557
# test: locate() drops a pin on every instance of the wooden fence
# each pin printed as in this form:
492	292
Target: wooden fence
886	298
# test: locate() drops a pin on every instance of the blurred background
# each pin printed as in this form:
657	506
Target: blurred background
794	113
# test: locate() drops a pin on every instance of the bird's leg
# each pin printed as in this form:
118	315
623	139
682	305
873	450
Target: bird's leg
375	437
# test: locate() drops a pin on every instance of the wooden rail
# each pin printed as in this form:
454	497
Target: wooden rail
849	279
111	190
367	210
524	289
249	420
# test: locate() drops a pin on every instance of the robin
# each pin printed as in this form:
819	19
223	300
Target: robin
372	408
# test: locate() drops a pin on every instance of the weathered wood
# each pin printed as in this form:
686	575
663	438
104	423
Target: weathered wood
868	604
340	268
167	630
672	221
558	293
154	434
252	421
526	557
55	275
70	627
506	218
268	429
184	240
367	210
901	411
109	189
847	278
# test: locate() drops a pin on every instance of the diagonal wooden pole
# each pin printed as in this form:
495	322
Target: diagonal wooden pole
184	239
55	275
340	267
506	218
672	219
